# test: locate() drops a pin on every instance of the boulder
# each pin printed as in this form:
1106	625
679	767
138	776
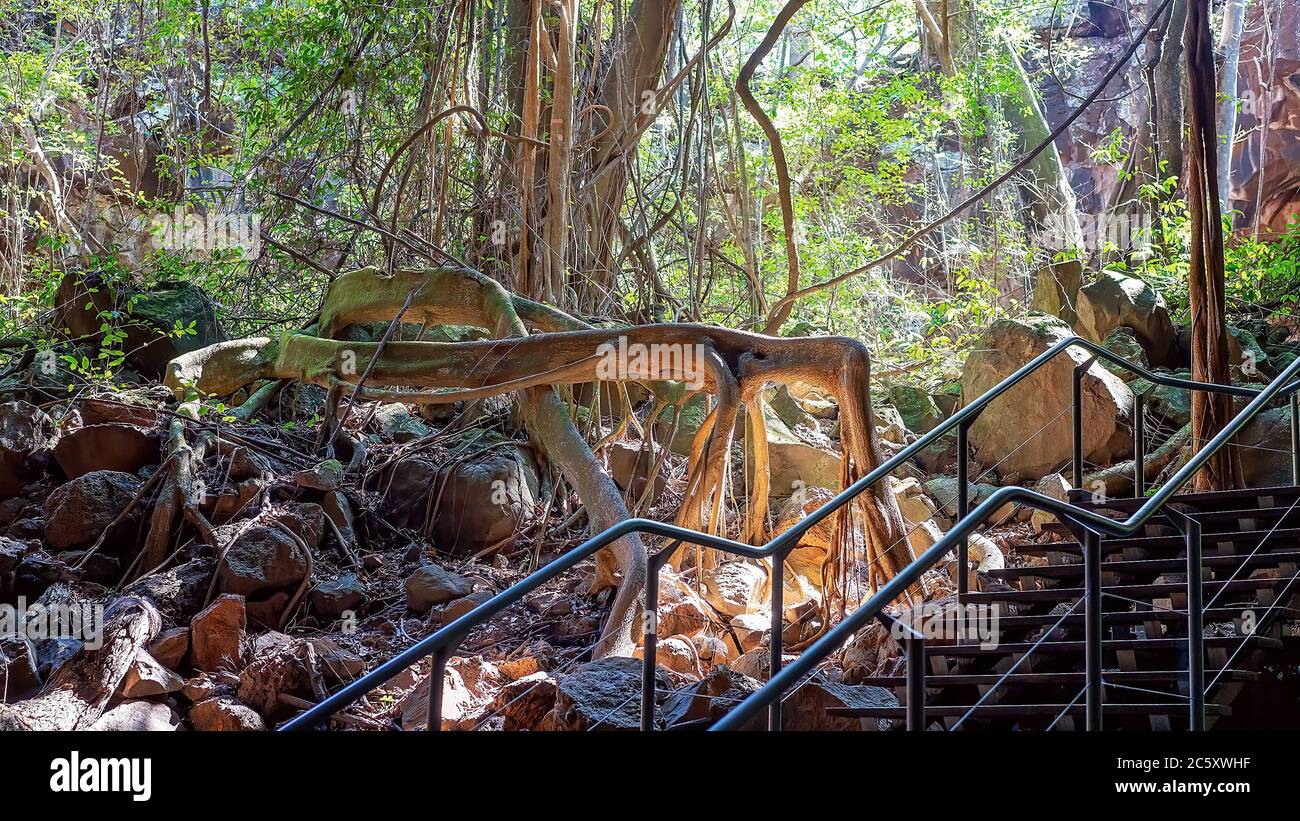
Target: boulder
224	714
137	715
1264	449
806	706
399	424
600	695
629	467
524	702
77	513
480	501
454	609
1169	407
676	653
943	491
178	592
261	561
217	635
1027	430
432	585
1124	343
1055	486
332	599
734	587
18	675
794	464
171	647
1056	289
788	409
148	677
711	698
917	407
1115	300
289	669
25	430
115	447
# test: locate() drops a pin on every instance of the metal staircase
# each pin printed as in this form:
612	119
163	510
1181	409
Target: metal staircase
1101	631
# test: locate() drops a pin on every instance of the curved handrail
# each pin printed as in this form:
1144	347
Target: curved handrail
842	632
450	635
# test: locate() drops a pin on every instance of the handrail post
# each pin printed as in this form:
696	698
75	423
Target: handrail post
963	499
1139	446
437	668
915	646
777	642
1195	626
1295	438
1077	421
649	644
1092	628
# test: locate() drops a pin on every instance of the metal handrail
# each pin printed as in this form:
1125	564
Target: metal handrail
442	642
1094	526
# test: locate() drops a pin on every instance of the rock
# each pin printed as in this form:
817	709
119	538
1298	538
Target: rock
18	676
332	599
137	716
711	698
115	447
290	669
452	610
216	635
1245	353
923	536
788	409
600	695
325	477
676	653
711	651
147	677
917	407
1027	430
943	491
733	587
261	561
751	629
806	707
1124	343
179	592
688	424
794	464
336	663
224	714
1055	486
983	555
1170	407
171	647
814	401
890	426
78	512
25	430
398	424
629	465
1264	449
913	502
681	609
1115	300
480	502
524	702
1056	289
431	585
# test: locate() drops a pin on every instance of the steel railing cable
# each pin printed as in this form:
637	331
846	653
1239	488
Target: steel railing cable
439	644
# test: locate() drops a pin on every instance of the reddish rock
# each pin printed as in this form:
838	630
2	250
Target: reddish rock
224	714
217	633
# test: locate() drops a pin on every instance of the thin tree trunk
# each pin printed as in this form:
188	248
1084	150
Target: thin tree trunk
1230	48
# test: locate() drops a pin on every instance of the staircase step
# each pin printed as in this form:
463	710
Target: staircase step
1156	567
1016	710
1140	592
1031	679
1077	646
1281	495
1282	537
1212	521
1215	615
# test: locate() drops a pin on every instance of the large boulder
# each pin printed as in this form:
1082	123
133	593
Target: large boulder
432	585
600	695
261	561
160	323
479	501
1027	430
1114	300
1056	289
77	513
794	463
1264	449
24	431
123	448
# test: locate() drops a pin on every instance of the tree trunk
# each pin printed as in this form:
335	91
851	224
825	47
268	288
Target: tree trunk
1210	412
1230	48
1167	102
